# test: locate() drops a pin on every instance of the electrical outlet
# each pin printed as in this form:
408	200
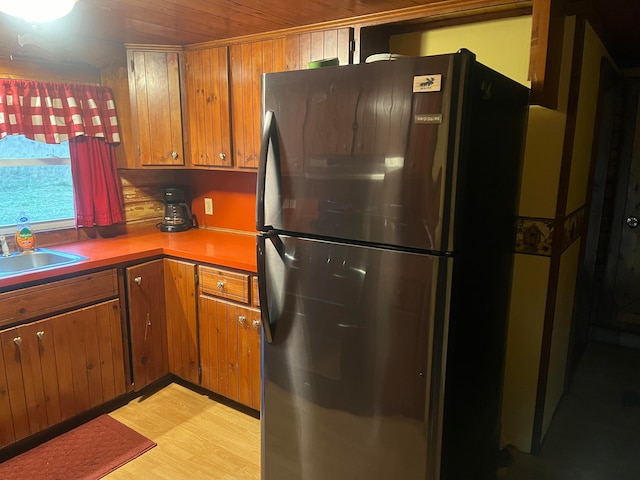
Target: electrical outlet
208	206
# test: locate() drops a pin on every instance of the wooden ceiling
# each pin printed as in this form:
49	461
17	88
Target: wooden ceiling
96	29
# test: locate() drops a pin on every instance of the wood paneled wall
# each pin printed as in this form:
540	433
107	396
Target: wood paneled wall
48	71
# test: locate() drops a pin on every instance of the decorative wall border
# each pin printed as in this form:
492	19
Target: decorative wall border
534	236
574	227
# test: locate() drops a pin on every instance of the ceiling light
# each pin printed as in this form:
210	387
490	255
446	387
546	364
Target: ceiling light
37	11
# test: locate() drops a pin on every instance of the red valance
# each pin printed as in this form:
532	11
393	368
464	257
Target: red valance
55	112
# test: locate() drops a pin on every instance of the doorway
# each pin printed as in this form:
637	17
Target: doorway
608	298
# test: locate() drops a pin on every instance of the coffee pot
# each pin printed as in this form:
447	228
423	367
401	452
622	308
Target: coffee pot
177	213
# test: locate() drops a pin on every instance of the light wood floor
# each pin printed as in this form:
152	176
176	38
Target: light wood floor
197	438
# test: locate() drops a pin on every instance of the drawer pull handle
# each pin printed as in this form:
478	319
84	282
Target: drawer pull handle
40	334
138	280
242	319
17	340
256	324
220	285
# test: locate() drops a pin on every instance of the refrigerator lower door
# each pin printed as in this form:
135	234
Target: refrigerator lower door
353	373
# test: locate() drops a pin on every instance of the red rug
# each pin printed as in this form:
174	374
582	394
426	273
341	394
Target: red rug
87	452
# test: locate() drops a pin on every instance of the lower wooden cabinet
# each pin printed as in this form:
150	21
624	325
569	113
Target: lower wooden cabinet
56	368
230	350
182	321
147	322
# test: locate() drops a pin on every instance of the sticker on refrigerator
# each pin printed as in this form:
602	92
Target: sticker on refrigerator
427	83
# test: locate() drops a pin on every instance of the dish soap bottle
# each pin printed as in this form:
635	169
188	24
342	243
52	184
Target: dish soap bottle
25	238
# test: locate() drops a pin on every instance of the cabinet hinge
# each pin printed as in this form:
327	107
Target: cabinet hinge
133	65
139	151
199	374
352	45
196	279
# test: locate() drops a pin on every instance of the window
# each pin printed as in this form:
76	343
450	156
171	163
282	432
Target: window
35	178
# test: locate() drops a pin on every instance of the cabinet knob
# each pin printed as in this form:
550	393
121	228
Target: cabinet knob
40	334
220	285
242	319
222	155
17	341
138	280
174	155
256	324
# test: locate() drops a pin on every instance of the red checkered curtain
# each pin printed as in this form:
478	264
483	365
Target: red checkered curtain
56	112
86	116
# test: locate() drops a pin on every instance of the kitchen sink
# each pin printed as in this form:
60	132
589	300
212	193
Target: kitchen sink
40	259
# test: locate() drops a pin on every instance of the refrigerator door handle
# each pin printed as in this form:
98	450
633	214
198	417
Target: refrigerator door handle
268	147
262	286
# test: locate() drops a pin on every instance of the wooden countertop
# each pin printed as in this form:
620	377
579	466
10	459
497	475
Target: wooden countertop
232	250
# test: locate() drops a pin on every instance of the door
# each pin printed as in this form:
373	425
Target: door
361	152
350	377
616	298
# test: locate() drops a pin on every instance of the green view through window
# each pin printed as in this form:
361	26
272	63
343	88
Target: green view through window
35	178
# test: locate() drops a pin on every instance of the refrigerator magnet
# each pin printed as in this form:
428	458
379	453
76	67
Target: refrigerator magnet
427	83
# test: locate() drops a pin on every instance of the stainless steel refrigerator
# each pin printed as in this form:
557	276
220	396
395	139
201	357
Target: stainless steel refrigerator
386	203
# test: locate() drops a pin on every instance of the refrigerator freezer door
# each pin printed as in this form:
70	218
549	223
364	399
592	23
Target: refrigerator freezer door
364	151
352	375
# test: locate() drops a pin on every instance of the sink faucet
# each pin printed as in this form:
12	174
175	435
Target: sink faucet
5	247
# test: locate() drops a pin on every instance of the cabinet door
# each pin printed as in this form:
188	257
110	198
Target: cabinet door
7	435
89	357
249	357
154	88
218	362
302	48
208	120
31	379
147	322
247	63
182	323
11	349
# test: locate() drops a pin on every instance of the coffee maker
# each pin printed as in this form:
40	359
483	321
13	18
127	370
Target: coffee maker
177	213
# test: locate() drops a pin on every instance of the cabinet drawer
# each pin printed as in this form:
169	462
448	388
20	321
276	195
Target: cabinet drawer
255	296
225	284
55	297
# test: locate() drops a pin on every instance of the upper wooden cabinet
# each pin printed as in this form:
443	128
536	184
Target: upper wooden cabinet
207	107
302	48
156	116
223	91
248	61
